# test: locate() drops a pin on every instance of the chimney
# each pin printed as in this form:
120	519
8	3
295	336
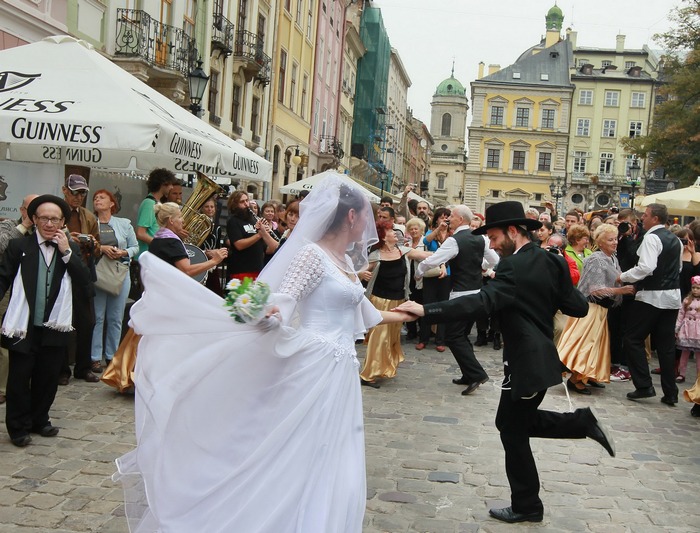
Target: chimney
571	36
620	44
481	70
494	68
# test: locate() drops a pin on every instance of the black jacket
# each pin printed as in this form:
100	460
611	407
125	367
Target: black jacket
528	289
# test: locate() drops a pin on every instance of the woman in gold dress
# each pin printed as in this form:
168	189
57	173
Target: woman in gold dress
388	277
584	345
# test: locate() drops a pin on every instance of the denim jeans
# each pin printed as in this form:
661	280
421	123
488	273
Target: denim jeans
109	314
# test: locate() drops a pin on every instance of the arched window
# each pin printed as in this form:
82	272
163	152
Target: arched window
446	125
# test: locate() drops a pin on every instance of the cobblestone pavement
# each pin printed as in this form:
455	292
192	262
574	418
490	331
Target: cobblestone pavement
434	460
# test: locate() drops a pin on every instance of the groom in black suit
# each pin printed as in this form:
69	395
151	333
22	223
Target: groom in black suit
43	270
530	285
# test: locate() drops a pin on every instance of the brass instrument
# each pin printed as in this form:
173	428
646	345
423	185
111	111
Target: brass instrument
197	224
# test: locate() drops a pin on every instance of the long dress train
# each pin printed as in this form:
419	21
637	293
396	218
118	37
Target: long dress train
241	430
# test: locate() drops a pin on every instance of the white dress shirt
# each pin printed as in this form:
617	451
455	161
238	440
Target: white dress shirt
648	253
48	251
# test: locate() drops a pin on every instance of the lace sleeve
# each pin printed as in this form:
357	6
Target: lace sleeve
303	275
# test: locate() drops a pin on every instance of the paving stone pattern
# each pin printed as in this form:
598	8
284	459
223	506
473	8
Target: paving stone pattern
434	460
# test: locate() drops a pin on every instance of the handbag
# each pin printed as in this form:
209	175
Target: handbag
111	274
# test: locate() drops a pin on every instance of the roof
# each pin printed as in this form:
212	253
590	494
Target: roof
550	67
450	87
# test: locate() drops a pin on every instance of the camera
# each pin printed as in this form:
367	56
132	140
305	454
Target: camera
84	237
554	250
684	242
624	227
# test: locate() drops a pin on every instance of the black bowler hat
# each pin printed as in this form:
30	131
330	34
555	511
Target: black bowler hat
504	214
46	199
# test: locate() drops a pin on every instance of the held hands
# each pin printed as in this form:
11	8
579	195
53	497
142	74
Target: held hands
411	309
113	252
627	290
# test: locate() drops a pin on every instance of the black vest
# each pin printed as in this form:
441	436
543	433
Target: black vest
465	267
666	275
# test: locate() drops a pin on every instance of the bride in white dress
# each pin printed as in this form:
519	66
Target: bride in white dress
245	429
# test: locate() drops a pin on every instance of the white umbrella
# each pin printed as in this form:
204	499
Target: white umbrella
63	102
308	183
683	202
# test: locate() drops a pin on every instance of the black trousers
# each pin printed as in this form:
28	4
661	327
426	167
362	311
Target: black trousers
84	324
434	290
644	320
457	339
518	421
31	386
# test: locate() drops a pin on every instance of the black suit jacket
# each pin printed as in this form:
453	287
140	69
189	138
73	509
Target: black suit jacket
528	289
25	252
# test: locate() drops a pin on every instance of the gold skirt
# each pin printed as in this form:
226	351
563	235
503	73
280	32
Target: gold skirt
120	372
384	352
584	345
693	395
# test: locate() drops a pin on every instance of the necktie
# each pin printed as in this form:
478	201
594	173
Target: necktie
50	243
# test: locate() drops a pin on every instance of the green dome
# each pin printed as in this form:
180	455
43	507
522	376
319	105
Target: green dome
450	87
554	18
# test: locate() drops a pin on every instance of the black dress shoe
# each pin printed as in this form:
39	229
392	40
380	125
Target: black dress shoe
497	341
668	400
460	381
695	410
63	380
481	340
639	394
372	384
572	387
90	377
22	441
595	385
598	433
508	515
47	431
473	386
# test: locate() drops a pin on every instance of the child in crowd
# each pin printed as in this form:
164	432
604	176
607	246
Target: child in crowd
688	328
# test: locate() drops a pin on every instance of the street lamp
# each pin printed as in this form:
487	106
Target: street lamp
296	158
633	179
198	83
558	190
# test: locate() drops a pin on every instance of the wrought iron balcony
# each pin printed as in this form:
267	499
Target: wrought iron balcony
248	49
331	146
138	35
581	178
222	36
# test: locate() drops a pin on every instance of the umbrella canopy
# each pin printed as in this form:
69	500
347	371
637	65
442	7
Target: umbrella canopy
684	202
63	102
308	183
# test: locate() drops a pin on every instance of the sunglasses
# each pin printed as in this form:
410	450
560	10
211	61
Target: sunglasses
79	193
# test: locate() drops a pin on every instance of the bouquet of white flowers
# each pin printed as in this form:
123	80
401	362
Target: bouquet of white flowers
246	299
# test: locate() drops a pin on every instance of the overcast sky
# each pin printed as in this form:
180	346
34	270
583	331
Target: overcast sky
429	33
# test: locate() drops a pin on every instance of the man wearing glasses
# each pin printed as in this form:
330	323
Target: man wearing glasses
45	271
84	232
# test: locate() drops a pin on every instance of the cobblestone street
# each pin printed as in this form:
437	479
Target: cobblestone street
434	460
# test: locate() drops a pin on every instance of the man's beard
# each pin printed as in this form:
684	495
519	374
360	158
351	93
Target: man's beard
507	248
244	214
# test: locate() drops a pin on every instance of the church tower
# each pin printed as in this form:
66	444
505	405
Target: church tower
448	126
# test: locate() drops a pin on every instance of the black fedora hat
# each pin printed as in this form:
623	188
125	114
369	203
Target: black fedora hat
504	214
45	199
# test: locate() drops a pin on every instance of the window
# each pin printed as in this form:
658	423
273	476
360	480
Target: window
638	100
310	19
255	115
441	182
583	127
304	90
544	162
446	128
522	117
580	161
213	91
518	160
629	64
612	98
609	128
288	5
293	88
548	118
329	57
606	63
236	105
582	62
300	5
628	163
606	163
242	15
497	115
495	193
324	122
189	18
493	158
585	97
282	76
317	105
635	128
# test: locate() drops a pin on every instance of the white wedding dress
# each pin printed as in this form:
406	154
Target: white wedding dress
241	430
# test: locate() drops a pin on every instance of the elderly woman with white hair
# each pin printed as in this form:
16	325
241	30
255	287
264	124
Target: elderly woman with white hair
584	345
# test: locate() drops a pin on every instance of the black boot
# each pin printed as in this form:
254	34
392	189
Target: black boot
480	338
497	341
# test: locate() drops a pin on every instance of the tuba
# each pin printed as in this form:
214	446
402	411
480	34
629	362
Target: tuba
197	224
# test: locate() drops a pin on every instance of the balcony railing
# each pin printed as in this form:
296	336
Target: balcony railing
249	48
331	146
138	35
582	178
222	36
